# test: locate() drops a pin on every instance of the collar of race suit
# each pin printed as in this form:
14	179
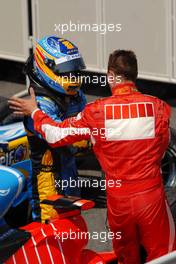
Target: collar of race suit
124	88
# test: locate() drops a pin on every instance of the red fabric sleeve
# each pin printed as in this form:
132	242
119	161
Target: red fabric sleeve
59	134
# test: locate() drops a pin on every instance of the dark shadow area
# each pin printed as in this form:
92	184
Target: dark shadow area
95	84
11	71
159	89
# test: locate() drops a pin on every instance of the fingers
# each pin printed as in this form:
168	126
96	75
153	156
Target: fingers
15	108
14	103
25	106
18	113
16	99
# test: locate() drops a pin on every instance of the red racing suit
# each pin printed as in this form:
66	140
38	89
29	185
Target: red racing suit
130	134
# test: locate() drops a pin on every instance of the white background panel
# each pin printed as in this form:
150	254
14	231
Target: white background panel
48	13
14	30
174	38
145	29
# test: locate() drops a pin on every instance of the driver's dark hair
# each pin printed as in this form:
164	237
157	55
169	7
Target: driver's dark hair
124	63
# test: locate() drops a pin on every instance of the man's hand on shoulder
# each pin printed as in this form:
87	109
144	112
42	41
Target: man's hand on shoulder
23	106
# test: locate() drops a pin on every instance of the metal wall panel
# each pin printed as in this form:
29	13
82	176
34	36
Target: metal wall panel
146	29
174	38
48	13
14	43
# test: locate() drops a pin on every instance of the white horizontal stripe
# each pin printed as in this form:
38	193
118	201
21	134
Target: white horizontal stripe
67	58
130	129
54	134
18	125
129	103
60	60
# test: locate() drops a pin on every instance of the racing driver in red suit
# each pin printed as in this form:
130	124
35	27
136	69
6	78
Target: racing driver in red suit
136	137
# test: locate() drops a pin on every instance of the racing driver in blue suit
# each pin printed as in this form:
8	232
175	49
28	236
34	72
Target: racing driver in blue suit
53	71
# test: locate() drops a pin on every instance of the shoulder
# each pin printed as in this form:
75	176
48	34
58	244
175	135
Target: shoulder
44	100
100	102
155	99
151	98
96	106
161	106
46	103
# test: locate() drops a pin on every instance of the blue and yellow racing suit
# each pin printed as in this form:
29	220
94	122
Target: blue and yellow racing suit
51	169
